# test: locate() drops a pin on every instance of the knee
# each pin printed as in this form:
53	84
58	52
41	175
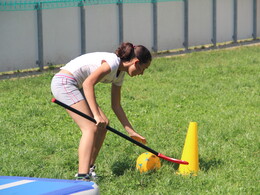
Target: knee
92	128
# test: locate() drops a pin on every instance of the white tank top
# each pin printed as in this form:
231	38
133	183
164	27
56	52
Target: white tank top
82	66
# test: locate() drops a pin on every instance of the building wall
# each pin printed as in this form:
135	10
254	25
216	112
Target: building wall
170	25
62	33
18	46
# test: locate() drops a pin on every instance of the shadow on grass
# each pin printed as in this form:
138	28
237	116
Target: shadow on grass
174	165
204	164
207	164
120	166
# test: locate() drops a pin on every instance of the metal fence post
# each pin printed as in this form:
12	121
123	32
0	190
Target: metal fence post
186	24
254	19
235	22
214	20
38	7
155	30
82	28
120	21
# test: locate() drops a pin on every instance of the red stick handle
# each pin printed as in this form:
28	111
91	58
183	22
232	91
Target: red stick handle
172	159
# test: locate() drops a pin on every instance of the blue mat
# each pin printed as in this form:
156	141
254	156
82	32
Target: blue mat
36	186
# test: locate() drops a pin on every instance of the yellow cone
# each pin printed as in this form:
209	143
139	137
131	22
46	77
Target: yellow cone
190	151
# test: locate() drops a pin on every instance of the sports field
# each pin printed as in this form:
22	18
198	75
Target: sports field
220	90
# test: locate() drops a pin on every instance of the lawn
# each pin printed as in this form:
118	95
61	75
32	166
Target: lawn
218	89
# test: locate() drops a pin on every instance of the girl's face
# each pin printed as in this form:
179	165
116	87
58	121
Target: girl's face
137	69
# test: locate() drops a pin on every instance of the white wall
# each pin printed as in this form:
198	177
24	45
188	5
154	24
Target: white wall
170	25
225	19
62	33
18	40
258	18
200	22
101	28
245	19
137	21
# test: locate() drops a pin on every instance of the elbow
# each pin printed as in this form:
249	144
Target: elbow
115	107
88	84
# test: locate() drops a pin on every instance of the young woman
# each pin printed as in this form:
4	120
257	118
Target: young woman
74	86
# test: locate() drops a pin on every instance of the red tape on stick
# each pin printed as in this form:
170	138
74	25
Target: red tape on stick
120	134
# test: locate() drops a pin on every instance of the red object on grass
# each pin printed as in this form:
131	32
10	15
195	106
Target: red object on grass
121	134
172	159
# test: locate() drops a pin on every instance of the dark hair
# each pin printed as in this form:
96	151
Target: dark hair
127	51
143	54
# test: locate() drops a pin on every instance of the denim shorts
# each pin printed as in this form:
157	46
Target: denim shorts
64	88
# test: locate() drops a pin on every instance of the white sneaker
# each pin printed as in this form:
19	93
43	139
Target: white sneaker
92	173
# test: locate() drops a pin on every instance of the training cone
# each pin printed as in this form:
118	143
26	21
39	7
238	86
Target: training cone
190	152
147	162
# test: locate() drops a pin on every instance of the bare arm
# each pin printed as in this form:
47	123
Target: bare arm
88	87
118	110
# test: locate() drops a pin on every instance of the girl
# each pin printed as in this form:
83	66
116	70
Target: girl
74	86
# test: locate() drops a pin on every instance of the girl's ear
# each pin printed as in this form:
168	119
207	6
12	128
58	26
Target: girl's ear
135	60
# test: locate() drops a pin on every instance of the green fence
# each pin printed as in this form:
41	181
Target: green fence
47	4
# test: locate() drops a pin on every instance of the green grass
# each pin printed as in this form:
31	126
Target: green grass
218	89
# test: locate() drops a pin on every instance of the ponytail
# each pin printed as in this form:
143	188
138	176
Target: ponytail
127	51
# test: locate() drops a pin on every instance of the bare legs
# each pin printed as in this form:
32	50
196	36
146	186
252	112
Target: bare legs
92	137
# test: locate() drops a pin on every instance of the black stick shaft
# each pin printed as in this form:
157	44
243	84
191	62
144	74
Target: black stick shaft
107	127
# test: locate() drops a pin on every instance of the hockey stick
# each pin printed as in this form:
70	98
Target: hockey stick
121	134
